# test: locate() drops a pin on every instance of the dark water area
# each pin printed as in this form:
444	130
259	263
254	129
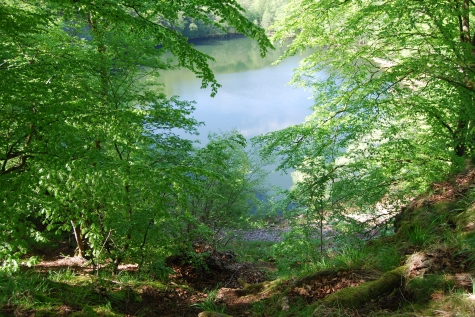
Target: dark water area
218	37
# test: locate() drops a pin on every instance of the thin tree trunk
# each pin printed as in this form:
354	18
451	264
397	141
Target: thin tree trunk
81	244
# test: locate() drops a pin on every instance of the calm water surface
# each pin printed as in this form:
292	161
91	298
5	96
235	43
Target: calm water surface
255	97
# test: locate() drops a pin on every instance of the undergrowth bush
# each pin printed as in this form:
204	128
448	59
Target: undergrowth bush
297	249
209	304
388	258
23	289
251	251
350	257
418	234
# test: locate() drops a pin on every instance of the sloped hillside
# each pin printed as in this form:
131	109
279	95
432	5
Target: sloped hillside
435	241
426	268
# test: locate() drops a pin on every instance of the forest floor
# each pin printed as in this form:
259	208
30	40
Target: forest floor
427	268
188	288
190	291
185	288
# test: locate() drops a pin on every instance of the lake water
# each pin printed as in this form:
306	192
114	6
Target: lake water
255	97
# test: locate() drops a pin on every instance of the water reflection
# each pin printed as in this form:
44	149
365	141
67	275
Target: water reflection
254	98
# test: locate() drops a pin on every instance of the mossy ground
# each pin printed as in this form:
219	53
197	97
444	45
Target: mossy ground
425	269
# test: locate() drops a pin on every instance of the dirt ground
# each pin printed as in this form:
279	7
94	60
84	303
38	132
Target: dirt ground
190	286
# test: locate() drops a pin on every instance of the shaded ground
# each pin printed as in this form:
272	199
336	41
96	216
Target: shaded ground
188	288
447	267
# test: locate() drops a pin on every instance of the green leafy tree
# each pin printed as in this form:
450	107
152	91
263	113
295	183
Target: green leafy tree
394	95
264	12
261	12
230	180
86	135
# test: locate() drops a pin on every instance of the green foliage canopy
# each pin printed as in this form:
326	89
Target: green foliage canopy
393	83
231	187
261	12
86	134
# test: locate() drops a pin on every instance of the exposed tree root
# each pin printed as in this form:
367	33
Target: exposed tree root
353	297
311	277
212	314
252	289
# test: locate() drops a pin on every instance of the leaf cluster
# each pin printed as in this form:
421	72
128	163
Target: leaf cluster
393	99
88	139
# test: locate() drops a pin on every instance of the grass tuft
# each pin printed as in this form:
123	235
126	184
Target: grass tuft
209	304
